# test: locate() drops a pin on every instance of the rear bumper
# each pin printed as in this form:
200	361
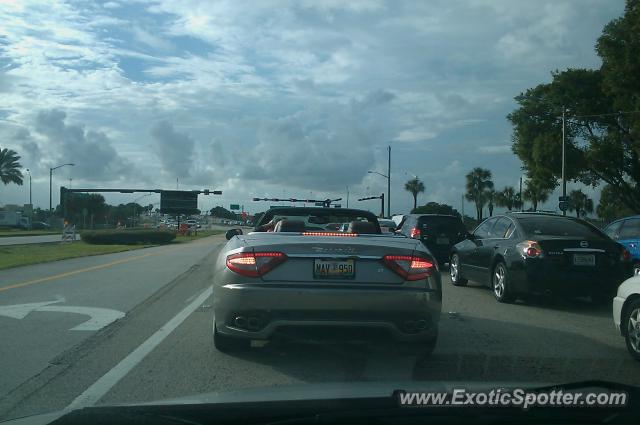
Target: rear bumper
540	278
405	314
618	302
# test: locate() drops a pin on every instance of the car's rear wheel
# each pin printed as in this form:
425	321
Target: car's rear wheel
502	290
454	271
227	344
631	324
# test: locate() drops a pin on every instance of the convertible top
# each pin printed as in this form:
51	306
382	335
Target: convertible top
316	212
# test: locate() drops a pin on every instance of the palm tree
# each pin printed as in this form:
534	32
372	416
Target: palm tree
536	192
491	195
507	198
580	203
414	186
10	167
478	183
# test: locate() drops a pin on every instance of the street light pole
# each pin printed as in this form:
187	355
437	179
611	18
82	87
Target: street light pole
564	180
30	201
389	184
51	186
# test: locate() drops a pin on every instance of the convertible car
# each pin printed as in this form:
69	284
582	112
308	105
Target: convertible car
294	275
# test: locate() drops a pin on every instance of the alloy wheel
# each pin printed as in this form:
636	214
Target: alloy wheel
499	276
633	330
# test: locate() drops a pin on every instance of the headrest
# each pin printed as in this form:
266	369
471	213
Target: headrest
290	226
362	227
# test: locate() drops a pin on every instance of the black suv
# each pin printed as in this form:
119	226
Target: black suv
438	232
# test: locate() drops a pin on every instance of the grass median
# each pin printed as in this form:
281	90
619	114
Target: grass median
28	254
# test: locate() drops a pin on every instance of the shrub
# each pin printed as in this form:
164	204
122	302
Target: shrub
128	237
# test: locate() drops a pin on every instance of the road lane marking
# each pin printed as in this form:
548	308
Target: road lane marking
102	386
100	266
78	271
99	317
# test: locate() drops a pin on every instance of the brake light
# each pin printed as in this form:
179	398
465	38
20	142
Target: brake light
329	234
625	255
530	249
415	233
254	264
409	267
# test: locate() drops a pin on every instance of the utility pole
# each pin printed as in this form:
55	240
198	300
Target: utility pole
389	184
347	196
564	180
462	204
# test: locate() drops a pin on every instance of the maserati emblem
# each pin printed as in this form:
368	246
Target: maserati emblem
584	244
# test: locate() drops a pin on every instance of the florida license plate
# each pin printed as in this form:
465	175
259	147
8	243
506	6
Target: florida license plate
584	260
334	269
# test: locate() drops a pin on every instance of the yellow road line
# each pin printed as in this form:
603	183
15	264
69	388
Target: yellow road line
78	271
100	266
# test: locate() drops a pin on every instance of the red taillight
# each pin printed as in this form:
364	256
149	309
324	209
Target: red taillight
254	264
329	234
625	255
409	267
530	249
415	233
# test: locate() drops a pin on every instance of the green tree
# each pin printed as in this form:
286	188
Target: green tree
478	184
610	207
435	208
603	145
507	198
10	167
537	191
491	197
222	212
414	186
580	203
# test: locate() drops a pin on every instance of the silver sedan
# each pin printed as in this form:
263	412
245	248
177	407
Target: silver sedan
285	277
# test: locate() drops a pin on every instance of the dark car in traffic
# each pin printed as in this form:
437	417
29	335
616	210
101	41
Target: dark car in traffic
438	232
518	254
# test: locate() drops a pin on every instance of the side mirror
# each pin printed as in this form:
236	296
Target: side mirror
233	232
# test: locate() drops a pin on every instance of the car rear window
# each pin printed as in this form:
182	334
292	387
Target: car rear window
558	226
441	224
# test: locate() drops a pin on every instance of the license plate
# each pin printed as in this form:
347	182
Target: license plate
442	241
584	260
334	269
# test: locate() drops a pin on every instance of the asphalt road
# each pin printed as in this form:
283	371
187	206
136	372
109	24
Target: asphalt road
162	347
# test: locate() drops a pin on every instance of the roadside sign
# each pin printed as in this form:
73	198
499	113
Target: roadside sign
176	202
234	207
563	198
562	206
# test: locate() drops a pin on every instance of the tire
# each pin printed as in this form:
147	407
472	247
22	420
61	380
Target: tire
228	344
631	326
454	271
500	283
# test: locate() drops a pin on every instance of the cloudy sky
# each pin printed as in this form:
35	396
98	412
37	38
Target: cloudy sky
272	98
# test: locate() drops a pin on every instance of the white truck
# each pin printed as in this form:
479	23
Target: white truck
14	219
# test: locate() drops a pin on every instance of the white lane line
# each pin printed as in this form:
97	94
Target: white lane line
99	388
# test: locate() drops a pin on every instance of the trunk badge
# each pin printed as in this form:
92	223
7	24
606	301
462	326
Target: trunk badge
584	244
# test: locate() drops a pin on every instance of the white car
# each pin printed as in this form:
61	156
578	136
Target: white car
626	314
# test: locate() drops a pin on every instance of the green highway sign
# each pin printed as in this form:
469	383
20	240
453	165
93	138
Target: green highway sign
235	207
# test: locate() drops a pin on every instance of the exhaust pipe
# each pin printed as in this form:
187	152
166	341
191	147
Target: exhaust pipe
253	323
421	324
240	321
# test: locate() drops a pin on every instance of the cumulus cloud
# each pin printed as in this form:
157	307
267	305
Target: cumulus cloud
495	149
174	150
91	151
